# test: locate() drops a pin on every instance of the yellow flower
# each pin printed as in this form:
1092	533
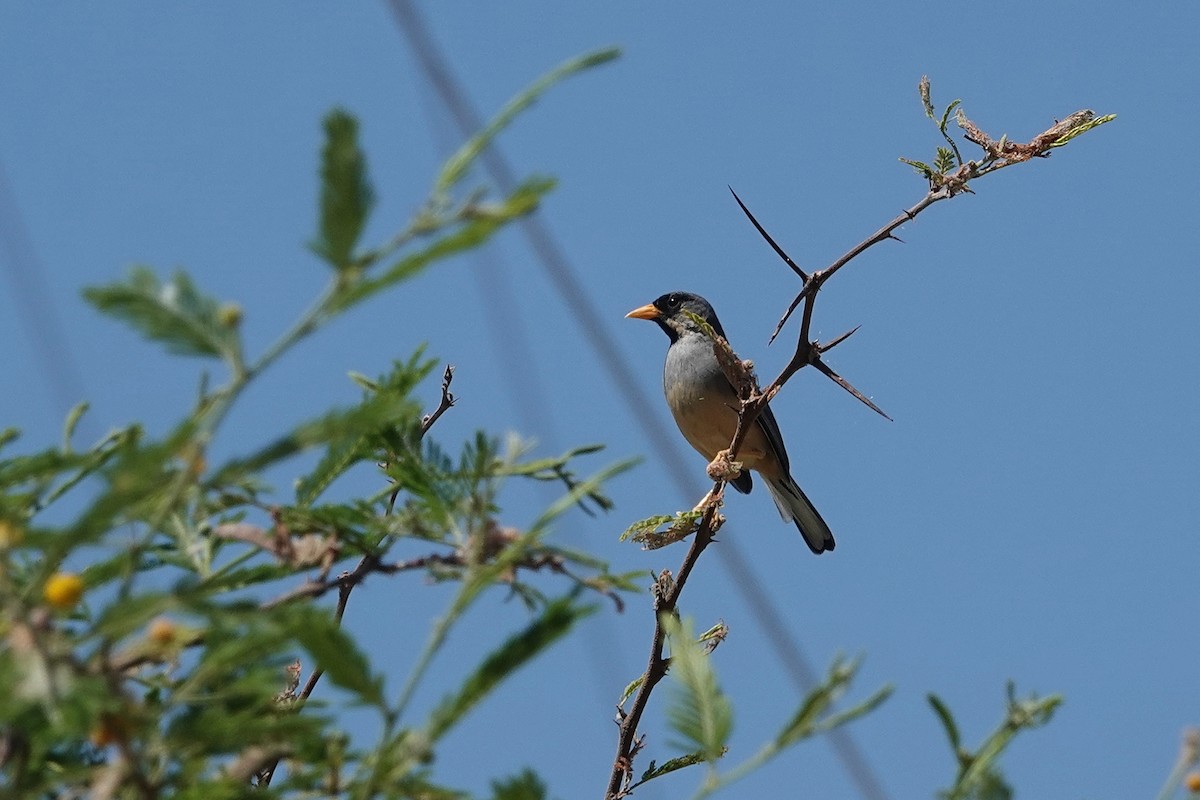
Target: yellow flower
63	590
10	534
229	315
109	729
161	631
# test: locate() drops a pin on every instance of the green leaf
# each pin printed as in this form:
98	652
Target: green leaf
556	469
524	786
948	160
338	459
73	418
412	785
699	711
137	476
37	466
951	728
473	233
127	615
921	168
458	164
387	408
656	770
480	577
580	491
630	688
813	715
346	195
335	652
340	427
555	620
1082	128
946	116
679	526
228	580
945	160
861	710
992	786
978	775
174	313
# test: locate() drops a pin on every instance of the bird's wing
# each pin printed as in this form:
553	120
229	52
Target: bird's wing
770	428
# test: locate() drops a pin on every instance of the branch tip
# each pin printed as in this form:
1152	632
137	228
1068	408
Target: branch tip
845	384
779	250
825	348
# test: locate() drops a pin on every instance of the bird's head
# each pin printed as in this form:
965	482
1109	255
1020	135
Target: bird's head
668	312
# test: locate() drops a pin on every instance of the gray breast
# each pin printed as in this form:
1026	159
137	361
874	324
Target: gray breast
699	394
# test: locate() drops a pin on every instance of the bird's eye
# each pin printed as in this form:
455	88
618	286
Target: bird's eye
673	301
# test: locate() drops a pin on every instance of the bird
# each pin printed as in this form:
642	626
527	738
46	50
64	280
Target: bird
705	407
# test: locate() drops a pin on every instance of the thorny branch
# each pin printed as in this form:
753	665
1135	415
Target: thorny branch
998	154
667	590
458	559
666	593
427	421
346	581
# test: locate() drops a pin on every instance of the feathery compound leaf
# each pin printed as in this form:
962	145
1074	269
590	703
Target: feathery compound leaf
473	233
921	167
386	408
557	469
580	491
1084	127
175	313
699	711
656	770
346	195
458	164
630	688
813	715
335	652
556	619
945	160
978	772
339	457
946	116
524	786
341	429
679	526
38	466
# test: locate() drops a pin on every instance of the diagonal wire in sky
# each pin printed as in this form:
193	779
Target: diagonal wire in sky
524	385
35	306
562	275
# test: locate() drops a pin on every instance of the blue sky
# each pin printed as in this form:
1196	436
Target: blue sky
1031	513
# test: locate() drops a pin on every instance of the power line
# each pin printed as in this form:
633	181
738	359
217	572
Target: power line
562	275
514	351
524	385
34	303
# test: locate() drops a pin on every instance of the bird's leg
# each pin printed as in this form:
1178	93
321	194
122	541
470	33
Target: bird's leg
712	497
723	467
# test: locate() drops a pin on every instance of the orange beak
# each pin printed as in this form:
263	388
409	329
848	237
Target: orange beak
647	311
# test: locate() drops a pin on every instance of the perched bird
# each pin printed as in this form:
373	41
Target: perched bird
705	407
